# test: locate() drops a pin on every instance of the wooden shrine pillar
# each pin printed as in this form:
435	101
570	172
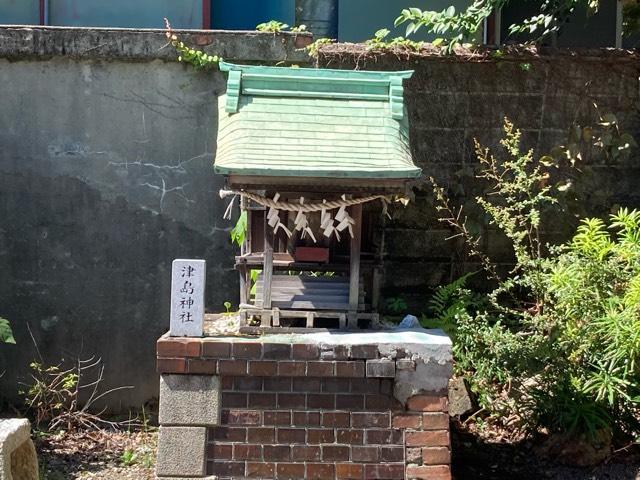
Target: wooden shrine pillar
245	281
354	266
267	268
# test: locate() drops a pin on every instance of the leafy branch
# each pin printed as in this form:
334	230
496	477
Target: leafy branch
453	28
6	335
380	42
453	218
274	26
55	395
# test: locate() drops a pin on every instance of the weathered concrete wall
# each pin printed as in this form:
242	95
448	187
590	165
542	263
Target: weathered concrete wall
453	101
105	160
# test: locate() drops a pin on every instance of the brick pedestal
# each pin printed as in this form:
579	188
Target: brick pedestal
305	409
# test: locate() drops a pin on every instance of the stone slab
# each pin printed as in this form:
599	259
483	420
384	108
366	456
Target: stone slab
24	462
460	401
188	278
421	342
181	452
143	44
427	353
14	433
189	400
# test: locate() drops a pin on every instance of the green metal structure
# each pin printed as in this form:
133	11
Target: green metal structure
305	149
305	122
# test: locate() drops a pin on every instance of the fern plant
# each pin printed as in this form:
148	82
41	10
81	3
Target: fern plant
449	304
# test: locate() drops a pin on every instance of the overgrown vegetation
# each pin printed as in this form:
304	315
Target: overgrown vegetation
204	61
198	58
314	47
631	17
395	305
274	26
453	28
66	398
380	42
556	344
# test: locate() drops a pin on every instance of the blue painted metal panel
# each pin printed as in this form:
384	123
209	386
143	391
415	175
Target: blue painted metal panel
19	12
246	14
126	13
358	20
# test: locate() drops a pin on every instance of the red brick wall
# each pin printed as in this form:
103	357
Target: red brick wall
311	412
310	427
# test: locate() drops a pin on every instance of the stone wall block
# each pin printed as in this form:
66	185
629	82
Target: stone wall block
189	400
181	452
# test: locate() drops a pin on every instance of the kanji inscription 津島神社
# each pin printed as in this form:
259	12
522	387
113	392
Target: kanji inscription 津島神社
187	298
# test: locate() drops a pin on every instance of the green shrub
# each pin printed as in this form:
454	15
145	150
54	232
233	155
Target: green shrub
557	343
594	306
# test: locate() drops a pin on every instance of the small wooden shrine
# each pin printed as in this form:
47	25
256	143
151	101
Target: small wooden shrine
313	156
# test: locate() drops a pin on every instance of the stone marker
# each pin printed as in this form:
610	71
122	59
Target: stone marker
18	460
187	298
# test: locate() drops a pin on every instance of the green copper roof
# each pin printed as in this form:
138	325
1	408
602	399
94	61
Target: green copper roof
305	122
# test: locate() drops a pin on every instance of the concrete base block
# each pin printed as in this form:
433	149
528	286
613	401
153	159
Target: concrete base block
189	400
18	459
181	452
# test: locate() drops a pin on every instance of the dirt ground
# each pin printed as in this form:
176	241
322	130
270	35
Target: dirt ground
131	456
97	455
473	458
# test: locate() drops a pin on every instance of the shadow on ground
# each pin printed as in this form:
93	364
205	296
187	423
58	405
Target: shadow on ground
474	459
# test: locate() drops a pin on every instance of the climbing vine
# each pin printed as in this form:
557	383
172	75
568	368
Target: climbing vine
199	59
202	60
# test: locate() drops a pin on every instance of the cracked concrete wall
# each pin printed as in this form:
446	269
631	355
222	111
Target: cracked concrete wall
105	160
106	177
